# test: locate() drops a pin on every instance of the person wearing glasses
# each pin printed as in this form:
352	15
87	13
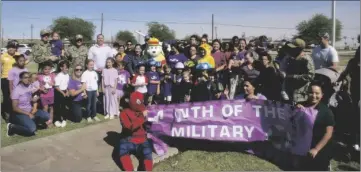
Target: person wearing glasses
23	120
129	48
77	91
77	54
42	51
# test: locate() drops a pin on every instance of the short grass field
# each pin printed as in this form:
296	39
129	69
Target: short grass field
193	160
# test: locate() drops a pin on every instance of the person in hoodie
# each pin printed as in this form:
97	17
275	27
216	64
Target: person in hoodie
177	79
133	61
134	135
205	56
176	55
201	91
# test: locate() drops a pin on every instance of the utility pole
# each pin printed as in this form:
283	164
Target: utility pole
215	28
101	26
333	23
212	25
31	27
139	37
2	37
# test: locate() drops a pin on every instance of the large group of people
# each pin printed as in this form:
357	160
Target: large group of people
71	79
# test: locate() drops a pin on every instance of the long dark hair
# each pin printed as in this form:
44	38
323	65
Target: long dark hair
113	61
61	64
17	58
21	75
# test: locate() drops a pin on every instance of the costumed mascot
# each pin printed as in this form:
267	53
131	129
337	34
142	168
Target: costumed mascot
134	136
155	51
206	57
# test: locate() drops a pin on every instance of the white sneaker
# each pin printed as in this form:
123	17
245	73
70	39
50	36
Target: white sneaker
8	132
57	124
63	124
106	117
96	119
89	120
111	117
356	147
284	95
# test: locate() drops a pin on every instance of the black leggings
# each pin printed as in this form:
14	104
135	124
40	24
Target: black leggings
61	106
77	110
6	104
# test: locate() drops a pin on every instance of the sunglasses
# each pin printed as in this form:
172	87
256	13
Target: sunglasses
78	69
45	35
129	44
79	40
26	77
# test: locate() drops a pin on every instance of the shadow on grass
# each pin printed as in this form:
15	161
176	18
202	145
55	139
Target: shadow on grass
113	139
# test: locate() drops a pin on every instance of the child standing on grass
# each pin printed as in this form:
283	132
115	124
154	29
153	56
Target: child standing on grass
123	80
140	81
35	87
154	81
185	88
47	81
61	94
167	82
90	79
110	82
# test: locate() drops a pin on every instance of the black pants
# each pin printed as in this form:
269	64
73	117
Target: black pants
61	106
6	104
77	110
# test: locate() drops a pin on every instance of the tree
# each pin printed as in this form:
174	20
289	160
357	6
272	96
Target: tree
70	27
160	31
125	36
319	23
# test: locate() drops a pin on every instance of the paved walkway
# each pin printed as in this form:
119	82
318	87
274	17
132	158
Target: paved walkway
87	149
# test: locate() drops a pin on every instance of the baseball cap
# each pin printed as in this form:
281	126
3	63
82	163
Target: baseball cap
297	43
78	36
44	32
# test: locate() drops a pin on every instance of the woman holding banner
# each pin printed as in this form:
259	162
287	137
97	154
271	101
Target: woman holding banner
320	153
250	87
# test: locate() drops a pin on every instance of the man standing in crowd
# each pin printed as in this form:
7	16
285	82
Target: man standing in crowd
299	71
77	54
42	51
193	42
324	55
99	53
129	48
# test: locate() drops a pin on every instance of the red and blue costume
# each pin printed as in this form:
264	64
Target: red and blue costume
134	136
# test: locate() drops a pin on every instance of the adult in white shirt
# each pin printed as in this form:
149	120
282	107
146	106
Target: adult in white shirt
99	53
324	55
115	49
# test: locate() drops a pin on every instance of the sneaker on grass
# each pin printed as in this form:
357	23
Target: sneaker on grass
8	130
111	117
89	119
63	124
106	117
96	119
57	123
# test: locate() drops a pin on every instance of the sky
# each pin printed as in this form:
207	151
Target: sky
276	19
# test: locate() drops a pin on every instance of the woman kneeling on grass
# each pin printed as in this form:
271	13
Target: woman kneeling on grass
320	153
24	117
77	93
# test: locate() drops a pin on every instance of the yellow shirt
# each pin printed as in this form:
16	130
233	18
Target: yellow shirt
208	59
7	62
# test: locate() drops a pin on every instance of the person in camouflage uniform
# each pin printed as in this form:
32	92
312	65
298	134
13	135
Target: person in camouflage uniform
77	54
41	52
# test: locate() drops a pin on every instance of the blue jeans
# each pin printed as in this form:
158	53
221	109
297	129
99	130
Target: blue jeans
77	112
143	150
24	125
91	107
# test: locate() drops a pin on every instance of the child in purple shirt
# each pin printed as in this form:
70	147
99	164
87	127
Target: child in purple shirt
56	45
154	83
123	80
110	82
13	75
47	81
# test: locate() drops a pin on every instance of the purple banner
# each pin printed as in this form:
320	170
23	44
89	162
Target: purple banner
286	128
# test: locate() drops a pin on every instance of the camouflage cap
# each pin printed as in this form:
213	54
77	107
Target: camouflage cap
78	36
44	32
297	43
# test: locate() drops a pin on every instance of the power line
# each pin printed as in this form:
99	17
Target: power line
184	23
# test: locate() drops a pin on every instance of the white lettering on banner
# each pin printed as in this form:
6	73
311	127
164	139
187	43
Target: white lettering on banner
213	131
195	111
224	131
257	108
156	118
181	114
249	131
212	127
272	111
237	130
238	110
227	111
281	113
205	111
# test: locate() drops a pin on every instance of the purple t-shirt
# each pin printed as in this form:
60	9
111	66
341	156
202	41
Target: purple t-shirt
110	76
35	86
56	47
75	85
239	55
23	94
47	81
123	77
167	86
13	75
219	58
174	59
152	76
